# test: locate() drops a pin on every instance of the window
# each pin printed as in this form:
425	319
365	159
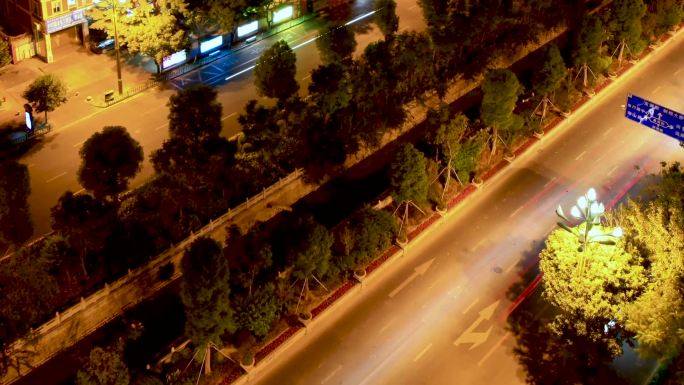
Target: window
56	7
71	3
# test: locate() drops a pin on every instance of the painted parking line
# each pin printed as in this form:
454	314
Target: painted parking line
227	116
329	376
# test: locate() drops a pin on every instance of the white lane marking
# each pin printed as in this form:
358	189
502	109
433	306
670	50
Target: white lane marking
605	133
678	71
411	8
306	77
656	90
79	191
612	170
227	116
162	126
329	376
55	177
386	326
422	352
515	212
467	309
580	155
509	268
79	144
551	181
496	346
455	292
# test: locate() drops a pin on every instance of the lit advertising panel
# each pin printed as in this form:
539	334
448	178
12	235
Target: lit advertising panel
211	44
282	14
174	59
248	28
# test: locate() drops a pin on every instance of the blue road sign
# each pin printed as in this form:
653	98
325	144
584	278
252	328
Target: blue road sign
655	116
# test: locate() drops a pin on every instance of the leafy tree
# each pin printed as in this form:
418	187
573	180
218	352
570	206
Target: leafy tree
274	74
548	78
195	114
15	219
195	159
336	45
330	88
205	293
149	28
588	299
311	255
626	25
411	50
5	55
84	221
109	159
46	93
371	231
467	157
29	292
408	176
661	16
501	90
586	54
386	18
104	367
656	317
257	312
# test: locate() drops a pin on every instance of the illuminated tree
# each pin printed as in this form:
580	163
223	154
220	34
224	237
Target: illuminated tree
5	56
149	28
336	45
46	93
548	78
311	254
586	54
625	23
501	90
257	312
408	177
590	275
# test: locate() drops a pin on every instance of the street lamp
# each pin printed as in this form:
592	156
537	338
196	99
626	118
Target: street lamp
114	6
590	211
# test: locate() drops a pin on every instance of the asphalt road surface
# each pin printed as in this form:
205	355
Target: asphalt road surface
438	315
53	163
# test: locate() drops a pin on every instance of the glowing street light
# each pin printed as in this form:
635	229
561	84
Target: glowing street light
589	211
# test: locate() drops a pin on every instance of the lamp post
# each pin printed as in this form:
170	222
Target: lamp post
113	4
116	49
589	211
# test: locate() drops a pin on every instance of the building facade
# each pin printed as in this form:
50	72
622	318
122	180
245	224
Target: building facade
50	24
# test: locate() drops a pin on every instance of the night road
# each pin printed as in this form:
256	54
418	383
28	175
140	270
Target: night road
54	163
438	315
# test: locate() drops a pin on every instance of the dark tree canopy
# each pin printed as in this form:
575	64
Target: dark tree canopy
205	292
336	45
15	219
408	176
587	47
386	17
104	367
548	78
275	71
46	93
109	159
195	114
84	221
625	23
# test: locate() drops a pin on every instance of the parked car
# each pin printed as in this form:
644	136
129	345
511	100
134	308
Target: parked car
102	46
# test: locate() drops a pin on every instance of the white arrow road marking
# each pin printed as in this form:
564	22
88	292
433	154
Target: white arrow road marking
422	352
477	338
420	270
329	376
